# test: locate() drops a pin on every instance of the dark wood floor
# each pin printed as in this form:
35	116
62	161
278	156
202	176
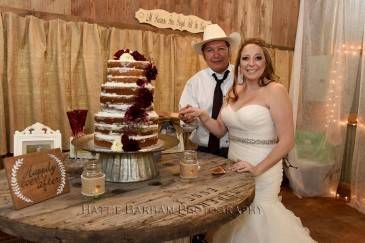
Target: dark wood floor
329	220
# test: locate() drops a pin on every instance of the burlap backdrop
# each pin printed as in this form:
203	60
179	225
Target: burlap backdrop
48	67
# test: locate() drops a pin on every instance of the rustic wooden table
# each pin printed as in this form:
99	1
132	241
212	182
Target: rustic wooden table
160	209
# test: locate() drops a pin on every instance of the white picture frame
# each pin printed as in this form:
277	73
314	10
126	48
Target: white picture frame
37	137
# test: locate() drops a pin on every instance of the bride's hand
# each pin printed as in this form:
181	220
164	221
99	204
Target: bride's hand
244	166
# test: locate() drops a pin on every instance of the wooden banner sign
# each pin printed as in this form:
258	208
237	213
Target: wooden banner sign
36	177
163	19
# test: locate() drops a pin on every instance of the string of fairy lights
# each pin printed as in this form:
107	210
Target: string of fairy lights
337	75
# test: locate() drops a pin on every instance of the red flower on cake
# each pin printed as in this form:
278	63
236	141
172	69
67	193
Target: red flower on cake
129	144
141	82
144	98
151	72
138	56
119	53
135	113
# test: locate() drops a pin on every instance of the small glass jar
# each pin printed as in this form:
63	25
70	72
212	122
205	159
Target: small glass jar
189	165
92	180
187	130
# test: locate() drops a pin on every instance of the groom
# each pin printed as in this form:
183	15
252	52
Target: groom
207	87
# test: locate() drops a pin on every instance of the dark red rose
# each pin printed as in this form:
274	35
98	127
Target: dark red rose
135	113
119	53
151	72
141	83
129	144
138	56
144	98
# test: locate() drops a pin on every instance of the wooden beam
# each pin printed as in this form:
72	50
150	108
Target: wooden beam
50	16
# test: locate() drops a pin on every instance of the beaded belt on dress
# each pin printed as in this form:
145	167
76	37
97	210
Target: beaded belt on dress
252	140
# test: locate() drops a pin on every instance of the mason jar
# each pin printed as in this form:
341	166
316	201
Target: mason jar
92	180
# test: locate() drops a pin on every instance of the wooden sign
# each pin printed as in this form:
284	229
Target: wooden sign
163	19
36	177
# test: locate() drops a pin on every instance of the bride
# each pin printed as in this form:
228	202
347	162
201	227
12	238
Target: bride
258	117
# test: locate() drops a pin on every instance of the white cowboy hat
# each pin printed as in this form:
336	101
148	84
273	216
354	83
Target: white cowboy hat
213	32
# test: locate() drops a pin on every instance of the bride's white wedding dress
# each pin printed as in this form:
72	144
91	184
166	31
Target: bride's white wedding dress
252	137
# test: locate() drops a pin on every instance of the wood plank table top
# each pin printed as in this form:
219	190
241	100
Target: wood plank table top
164	208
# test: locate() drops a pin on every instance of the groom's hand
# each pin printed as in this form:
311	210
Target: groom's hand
184	116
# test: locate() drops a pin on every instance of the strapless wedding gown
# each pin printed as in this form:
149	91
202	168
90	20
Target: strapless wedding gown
266	220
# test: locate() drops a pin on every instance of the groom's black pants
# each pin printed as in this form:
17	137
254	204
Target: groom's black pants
223	152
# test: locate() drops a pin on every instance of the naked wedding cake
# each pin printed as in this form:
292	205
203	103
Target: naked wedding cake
127	113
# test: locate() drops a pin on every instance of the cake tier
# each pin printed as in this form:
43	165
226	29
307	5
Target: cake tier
120	107
125	79
121	90
130	130
129	64
118	118
106	141
111	98
126	72
113	103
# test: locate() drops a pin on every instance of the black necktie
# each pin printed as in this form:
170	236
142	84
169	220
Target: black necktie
213	144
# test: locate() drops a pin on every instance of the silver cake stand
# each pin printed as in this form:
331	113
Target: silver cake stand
127	166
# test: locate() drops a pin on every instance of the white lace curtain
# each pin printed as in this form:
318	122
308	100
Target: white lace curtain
328	67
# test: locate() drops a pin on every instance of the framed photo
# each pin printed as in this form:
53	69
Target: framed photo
36	138
37	146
